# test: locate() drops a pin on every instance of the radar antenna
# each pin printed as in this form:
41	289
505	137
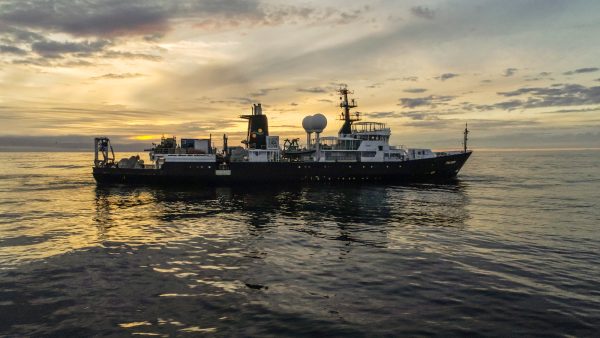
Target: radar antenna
346	105
466	138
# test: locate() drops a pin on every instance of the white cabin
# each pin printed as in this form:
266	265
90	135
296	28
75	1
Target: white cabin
368	142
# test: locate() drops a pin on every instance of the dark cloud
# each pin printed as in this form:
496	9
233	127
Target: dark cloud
382	114
428	101
87	18
348	16
243	101
423	12
112	54
53	62
415	90
153	18
118	76
375	85
34	62
313	90
18	36
406	78
420	116
263	92
12	50
556	95
582	70
88	25
539	77
510	72
50	48
446	76
415	115
566	111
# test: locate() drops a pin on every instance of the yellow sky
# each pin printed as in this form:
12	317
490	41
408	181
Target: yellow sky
136	70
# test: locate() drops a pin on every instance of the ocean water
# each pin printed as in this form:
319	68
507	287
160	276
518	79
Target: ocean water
511	248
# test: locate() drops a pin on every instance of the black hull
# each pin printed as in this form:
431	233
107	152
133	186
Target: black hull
433	169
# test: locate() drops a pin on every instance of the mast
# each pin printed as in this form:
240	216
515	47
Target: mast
466	138
346	105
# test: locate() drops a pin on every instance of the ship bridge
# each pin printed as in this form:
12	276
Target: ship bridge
370	131
369	127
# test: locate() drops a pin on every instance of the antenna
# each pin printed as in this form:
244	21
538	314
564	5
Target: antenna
346	105
466	138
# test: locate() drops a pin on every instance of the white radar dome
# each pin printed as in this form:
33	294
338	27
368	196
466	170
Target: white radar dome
319	122
314	123
306	124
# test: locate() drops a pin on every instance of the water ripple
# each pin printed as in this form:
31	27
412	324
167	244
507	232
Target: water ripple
509	249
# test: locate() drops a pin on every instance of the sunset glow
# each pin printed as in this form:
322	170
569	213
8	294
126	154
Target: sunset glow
521	73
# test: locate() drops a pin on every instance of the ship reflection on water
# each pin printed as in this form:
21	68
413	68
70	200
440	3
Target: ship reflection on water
366	214
299	260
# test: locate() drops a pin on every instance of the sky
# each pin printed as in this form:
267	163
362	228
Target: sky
521	73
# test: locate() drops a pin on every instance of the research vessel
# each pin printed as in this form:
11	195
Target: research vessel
359	153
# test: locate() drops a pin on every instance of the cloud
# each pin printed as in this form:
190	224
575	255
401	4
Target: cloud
446	76
415	90
380	115
430	101
87	18
510	72
556	95
565	111
423	12
375	85
434	122
118	76
416	115
420	116
406	78
313	90
115	54
12	50
50	48
263	92
97	29
151	18
582	71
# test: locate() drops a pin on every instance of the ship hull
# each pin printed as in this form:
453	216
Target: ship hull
432	169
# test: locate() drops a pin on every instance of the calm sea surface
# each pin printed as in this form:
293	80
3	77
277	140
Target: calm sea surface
511	248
